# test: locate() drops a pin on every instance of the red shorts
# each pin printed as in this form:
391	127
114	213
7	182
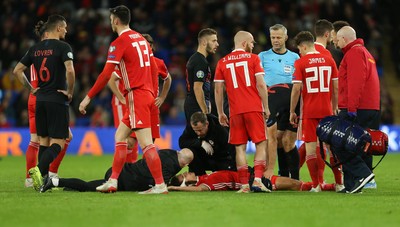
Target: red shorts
155	123
31	114
118	113
247	126
308	130
138	113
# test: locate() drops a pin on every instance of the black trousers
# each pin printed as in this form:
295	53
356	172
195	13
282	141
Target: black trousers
361	165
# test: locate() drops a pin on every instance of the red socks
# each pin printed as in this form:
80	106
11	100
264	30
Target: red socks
302	154
312	165
305	186
243	173
259	167
121	149
321	165
154	163
56	163
336	171
31	156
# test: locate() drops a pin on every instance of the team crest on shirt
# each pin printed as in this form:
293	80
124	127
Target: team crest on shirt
70	55
200	74
112	48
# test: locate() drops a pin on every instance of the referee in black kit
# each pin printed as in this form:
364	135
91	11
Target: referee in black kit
198	75
53	63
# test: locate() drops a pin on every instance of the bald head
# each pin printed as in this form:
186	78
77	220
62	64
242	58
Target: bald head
345	36
185	157
244	40
348	33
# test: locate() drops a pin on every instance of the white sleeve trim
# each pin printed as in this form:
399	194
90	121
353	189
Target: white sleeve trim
114	62
116	74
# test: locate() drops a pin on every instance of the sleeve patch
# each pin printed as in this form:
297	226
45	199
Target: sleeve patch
70	55
200	74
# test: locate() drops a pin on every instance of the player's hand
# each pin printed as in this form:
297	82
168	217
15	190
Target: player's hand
82	106
294	120
266	113
223	120
66	94
121	99
159	101
34	90
268	173
336	112
207	147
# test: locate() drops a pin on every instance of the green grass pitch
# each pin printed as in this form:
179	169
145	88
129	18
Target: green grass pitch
25	207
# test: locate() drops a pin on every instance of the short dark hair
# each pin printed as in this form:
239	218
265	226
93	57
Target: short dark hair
123	13
174	181
40	29
337	25
198	117
322	26
53	21
150	40
304	37
206	32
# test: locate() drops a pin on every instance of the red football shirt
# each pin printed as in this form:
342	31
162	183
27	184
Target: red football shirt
34	83
320	48
316	71
238	70
220	180
162	72
133	54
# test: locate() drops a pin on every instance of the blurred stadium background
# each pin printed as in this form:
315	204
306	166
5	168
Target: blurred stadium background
174	25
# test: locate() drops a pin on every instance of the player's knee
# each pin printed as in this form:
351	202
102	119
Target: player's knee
131	142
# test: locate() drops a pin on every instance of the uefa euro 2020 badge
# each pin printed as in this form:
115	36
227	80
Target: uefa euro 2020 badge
200	74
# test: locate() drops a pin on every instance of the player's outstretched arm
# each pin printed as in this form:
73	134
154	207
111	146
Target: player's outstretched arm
199	188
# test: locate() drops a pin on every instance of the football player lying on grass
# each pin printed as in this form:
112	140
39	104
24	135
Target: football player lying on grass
229	180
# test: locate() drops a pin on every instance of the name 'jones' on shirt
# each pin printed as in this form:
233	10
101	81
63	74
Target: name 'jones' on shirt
39	53
316	60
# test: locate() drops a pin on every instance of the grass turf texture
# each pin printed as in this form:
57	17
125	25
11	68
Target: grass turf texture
23	206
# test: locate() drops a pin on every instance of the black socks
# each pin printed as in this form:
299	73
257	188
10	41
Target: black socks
47	157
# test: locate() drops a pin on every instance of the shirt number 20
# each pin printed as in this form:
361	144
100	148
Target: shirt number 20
318	75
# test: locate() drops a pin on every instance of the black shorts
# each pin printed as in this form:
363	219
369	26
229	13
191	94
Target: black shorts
279	106
52	120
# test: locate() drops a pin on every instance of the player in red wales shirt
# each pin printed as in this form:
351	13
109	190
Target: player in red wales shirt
132	53
242	74
315	76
